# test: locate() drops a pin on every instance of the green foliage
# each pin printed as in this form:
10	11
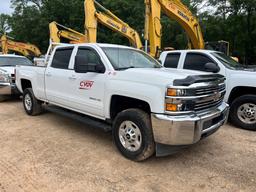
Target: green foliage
4	27
230	20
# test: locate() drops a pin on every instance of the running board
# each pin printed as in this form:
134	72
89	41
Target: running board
79	117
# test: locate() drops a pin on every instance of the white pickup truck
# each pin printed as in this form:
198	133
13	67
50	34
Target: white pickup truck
148	108
240	81
7	74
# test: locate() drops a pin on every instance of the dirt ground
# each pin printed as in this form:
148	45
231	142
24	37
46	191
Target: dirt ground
53	153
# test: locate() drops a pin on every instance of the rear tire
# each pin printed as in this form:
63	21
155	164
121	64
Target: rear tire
133	136
31	104
2	98
243	112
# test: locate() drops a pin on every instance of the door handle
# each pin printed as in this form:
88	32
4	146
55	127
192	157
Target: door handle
72	78
48	74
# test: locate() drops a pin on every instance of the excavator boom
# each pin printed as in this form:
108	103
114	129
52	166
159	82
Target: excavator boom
64	32
177	11
108	19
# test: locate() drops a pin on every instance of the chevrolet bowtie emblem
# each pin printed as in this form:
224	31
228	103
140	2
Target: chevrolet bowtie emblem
217	96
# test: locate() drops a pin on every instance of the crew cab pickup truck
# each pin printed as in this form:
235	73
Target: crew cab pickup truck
240	81
7	76
148	108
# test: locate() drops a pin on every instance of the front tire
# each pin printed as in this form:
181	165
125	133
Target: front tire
133	136
31	105
243	112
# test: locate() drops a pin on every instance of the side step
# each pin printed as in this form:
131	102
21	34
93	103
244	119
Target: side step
80	117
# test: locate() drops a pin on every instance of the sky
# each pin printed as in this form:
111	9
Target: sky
5	6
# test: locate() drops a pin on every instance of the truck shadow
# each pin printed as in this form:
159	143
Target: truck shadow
103	139
71	127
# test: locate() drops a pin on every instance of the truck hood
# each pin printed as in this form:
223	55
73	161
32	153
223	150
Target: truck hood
8	70
243	77
250	68
244	71
158	76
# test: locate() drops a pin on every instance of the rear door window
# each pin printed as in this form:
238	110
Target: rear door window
61	58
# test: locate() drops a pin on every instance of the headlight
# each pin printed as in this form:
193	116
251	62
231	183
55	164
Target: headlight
4	77
174	101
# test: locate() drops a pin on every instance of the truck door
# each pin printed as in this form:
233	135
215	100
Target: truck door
57	76
88	87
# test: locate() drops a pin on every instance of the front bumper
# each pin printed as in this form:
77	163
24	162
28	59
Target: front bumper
187	129
8	89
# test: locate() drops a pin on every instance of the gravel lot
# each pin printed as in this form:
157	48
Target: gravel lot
53	153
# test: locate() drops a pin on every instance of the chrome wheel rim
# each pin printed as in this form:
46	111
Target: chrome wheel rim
247	113
28	102
130	136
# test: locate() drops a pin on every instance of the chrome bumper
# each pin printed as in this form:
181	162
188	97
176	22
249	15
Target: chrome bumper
8	89
187	129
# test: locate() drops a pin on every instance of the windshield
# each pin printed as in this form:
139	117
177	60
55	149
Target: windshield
13	61
122	58
226	60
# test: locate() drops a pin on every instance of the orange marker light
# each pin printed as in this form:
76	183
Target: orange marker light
171	92
171	107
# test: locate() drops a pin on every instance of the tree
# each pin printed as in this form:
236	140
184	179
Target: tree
230	20
4	26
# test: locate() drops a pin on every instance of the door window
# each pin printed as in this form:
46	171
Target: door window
172	60
195	61
61	58
89	56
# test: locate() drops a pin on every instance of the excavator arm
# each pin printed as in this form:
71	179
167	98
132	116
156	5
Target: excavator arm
23	48
58	31
177	11
108	19
4	44
18	50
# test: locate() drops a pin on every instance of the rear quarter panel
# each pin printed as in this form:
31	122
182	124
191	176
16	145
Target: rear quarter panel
35	75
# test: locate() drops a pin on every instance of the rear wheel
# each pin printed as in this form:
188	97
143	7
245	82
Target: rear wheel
2	98
133	134
31	105
243	112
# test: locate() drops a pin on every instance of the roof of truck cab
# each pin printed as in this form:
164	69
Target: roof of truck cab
11	55
95	44
191	51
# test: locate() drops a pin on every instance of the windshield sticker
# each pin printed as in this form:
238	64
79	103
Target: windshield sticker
86	84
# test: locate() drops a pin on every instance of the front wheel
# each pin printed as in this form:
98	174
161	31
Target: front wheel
133	134
31	105
243	112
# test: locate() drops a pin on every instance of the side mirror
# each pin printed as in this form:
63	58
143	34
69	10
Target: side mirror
82	66
212	67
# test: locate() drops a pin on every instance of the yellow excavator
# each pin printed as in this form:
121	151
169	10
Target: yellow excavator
58	31
108	19
22	48
177	11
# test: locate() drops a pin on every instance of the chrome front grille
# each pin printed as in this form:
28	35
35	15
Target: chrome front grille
211	97
210	90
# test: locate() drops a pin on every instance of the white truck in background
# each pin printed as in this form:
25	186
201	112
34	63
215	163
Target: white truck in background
148	108
240	81
7	74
